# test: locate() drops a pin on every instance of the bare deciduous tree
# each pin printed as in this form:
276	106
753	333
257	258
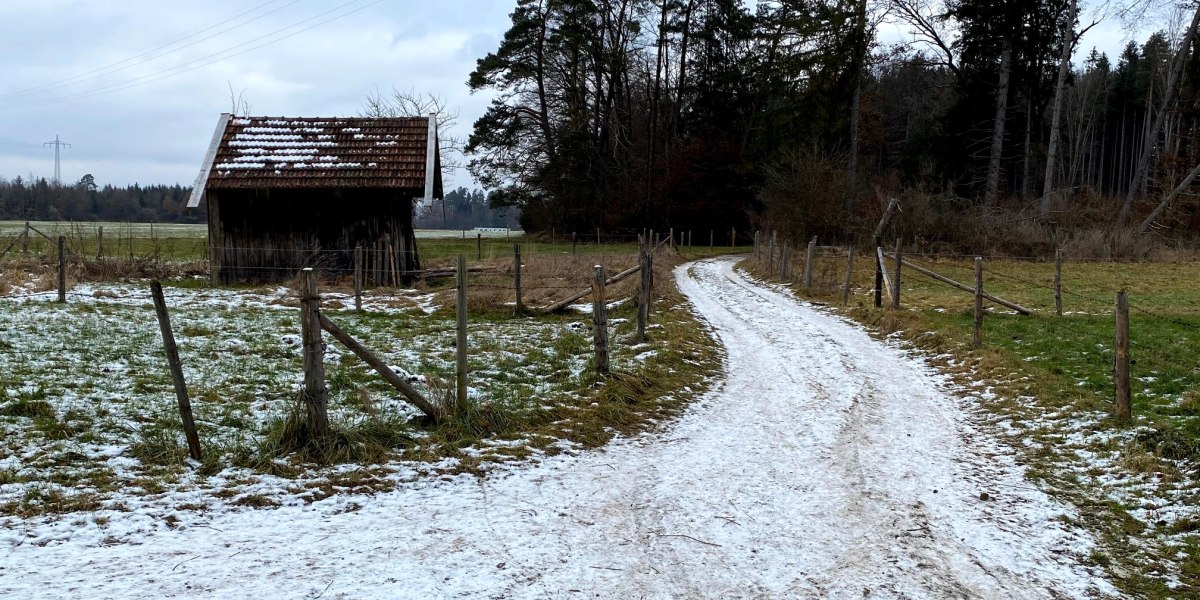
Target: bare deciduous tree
410	103
1167	99
1064	63
929	28
238	105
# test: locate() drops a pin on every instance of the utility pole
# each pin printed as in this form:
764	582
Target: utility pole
58	145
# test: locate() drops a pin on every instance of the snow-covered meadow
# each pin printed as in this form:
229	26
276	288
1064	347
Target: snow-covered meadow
88	417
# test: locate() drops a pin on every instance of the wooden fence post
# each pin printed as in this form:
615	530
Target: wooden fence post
849	270
732	238
479	246
878	276
99	241
710	240
977	338
315	397
62	268
1124	409
461	341
643	312
896	280
574	241
1058	257
517	278
784	256
808	262
689	239
358	277
597	236
25	239
771	253
181	393
671	235
599	320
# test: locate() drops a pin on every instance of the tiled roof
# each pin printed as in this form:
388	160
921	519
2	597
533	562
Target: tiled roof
351	152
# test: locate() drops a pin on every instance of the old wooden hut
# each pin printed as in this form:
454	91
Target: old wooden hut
285	193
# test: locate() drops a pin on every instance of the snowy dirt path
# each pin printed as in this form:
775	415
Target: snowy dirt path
826	465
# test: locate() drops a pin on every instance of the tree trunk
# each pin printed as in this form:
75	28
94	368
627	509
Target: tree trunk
543	104
675	116
859	59
1168	96
1162	206
1026	162
852	165
656	102
1119	156
993	174
1060	85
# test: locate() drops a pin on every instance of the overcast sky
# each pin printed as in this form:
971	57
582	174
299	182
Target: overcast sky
150	119
135	86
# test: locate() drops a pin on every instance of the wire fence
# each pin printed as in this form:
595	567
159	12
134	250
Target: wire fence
1163	349
43	360
97	255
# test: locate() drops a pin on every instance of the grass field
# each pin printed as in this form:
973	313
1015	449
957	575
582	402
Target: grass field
144	249
87	417
175	242
1046	381
178	230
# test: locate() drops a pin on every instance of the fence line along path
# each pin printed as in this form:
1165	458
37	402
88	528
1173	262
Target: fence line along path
876	471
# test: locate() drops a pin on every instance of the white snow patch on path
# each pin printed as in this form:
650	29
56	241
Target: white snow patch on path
826	464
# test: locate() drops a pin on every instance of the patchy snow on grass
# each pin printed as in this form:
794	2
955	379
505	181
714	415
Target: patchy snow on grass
88	417
826	464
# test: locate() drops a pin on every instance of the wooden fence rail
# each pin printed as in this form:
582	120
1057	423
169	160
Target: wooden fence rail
966	288
414	397
561	304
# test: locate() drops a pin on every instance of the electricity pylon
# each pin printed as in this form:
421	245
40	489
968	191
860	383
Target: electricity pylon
58	145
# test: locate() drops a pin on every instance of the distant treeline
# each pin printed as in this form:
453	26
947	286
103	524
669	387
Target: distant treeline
465	209
41	200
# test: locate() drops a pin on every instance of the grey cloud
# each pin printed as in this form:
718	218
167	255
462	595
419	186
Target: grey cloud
157	132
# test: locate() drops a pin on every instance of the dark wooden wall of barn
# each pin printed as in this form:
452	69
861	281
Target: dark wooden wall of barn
268	235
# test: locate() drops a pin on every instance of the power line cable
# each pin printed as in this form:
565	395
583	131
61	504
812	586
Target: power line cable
109	69
219	56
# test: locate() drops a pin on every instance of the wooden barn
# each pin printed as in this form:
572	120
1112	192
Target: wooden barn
285	193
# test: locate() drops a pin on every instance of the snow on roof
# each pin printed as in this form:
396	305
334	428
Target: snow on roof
306	152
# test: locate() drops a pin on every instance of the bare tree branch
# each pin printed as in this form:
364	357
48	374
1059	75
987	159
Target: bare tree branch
928	26
410	103
238	103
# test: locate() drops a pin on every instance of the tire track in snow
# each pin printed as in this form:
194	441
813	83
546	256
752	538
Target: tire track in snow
825	465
